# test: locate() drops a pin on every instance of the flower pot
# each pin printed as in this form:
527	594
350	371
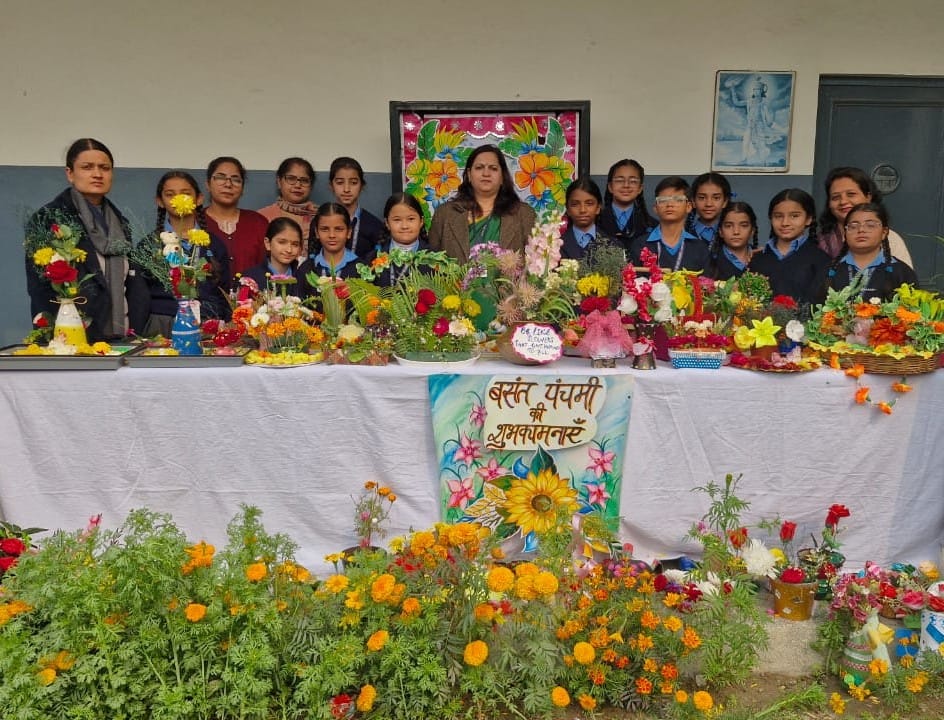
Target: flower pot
793	601
185	335
69	327
856	656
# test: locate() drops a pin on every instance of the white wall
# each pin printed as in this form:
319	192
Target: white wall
175	83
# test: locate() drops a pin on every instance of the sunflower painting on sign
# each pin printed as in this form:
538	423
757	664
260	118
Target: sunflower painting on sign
520	455
546	146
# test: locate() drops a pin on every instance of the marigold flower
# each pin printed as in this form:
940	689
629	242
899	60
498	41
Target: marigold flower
669	671
681	697
63	661
500	579
643	686
366	698
855	371
650	665
560	697
376	641
862	394
337	583
649	620
584	653
382	587
902	387
587	702
475	653
46	676
885	407
256	572
878	667
690	639
915	683
524	587
354	601
195	612
703	701
837	704
834	361
43	256
410	607
484	612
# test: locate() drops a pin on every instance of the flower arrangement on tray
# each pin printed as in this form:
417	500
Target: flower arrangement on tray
772	338
279	322
902	336
356	322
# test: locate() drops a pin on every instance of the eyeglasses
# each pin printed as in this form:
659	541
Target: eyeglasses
866	225
631	181
666	199
295	180
222	179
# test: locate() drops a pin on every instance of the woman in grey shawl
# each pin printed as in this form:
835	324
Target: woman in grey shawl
116	301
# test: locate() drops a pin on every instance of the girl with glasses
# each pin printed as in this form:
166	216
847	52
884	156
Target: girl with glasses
294	181
240	230
624	216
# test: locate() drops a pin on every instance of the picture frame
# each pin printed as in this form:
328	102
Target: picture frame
545	143
753	118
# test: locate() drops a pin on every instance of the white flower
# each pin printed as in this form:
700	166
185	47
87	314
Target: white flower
676	577
461	327
663	314
661	293
796	331
259	319
350	333
758	560
628	305
709	586
56	256
276	304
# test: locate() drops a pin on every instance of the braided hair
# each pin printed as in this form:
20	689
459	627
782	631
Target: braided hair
200	214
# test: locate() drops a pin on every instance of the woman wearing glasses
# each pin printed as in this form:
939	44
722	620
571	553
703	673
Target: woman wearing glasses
241	230
625	217
294	180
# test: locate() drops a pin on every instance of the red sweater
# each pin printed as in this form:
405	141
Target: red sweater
245	245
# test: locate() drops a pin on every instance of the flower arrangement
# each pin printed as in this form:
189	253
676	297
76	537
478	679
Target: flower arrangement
646	299
911	323
356	322
278	321
605	337
775	339
371	510
54	251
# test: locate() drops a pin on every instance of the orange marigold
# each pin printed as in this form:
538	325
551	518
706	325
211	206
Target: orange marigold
475	653
866	310
195	612
834	361
885	408
669	671
649	620
596	675
703	701
681	697
485	613
560	697
46	676
862	394
690	639
256	572
366	698
650	665
584	653
902	387
587	702
376	641
643	686
500	579
907	316
644	642
410	607
855	371
382	588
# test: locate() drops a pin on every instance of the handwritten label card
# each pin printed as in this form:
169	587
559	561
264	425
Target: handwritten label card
537	343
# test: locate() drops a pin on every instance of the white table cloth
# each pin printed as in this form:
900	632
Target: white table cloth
299	443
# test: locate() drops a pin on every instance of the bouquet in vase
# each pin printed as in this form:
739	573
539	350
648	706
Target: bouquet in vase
282	325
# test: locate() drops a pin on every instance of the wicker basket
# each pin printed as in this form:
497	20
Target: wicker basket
887	365
704	359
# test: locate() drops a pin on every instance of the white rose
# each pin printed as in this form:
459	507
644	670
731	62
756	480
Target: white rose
458	328
661	292
796	331
628	305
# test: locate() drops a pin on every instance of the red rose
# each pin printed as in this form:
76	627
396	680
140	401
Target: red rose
440	327
6	563
421	308
588	305
41	321
835	513
826	570
342	291
426	297
785	301
792	575
210	327
935	603
787	531
659	582
738	537
12	546
60	272
887	591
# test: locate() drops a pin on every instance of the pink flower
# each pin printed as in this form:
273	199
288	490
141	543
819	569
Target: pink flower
441	327
460	492
491	471
596	494
468	450
477	415
600	461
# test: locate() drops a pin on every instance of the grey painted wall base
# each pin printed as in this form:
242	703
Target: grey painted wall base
24	189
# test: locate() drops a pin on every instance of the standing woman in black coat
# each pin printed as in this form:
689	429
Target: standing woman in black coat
116	300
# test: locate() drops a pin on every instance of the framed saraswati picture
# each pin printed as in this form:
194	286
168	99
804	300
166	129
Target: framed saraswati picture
753	117
546	146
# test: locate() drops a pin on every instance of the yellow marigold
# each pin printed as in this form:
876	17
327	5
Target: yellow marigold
46	676
906	661
666	688
500	579
422	540
649	620
376	641
690	639
43	256
915	683
681	697
471	308
195	612
671	600
461	534
636	605
878	667
236	609
526	568
650	665
484	612
584	653
560	697
366	698
182	204
256	572
79	254
546	583
353	600
382	587
63	661
475	653
703	701
837	704
411	607
337	583
451	302
587	702
595	284
524	587
859	692
198	237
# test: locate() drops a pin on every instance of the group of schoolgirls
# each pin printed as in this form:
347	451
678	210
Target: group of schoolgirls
700	227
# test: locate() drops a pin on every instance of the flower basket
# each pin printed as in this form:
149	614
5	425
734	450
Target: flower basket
701	358
793	601
888	365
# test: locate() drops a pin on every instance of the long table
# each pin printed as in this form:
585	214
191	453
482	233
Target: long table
299	443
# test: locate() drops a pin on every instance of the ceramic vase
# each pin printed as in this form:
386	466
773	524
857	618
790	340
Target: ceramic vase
69	326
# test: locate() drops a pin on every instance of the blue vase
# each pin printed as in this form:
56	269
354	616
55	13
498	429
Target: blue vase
185	336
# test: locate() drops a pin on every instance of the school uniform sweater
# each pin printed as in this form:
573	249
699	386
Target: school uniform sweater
797	274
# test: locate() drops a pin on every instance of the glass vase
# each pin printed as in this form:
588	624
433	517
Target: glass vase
185	335
69	327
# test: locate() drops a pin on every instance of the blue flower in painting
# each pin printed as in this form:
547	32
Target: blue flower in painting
545	201
431	199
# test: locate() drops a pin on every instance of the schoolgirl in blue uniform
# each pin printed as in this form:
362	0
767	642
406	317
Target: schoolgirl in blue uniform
711	192
791	259
404	231
730	252
212	290
676	248
866	251
583	202
624	216
347	182
283	243
334	259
